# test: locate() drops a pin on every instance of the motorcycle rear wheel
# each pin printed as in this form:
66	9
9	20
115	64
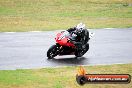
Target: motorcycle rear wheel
52	52
80	53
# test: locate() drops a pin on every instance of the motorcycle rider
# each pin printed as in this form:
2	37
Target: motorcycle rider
81	35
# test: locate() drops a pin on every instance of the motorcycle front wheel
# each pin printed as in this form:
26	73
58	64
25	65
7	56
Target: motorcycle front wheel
52	52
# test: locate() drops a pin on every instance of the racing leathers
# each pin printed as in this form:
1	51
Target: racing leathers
81	38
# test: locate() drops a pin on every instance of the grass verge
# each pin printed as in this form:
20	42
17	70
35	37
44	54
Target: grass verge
40	15
63	77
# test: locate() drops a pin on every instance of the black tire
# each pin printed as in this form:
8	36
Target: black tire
86	48
81	80
80	53
52	52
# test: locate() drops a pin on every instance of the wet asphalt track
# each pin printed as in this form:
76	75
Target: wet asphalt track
25	50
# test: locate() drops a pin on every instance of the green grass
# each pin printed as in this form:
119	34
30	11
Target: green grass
41	15
63	77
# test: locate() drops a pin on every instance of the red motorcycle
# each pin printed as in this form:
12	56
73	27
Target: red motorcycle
63	46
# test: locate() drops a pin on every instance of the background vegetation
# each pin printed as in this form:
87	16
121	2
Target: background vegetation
64	77
40	15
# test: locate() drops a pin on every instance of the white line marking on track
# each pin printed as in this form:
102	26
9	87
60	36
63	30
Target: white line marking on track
9	32
35	31
109	28
54	30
